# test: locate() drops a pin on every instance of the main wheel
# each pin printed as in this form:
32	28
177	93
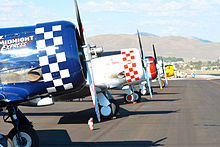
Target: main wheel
29	137
148	92
5	142
163	83
115	106
152	91
106	112
129	98
138	97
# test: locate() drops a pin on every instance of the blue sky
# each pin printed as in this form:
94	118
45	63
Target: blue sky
199	18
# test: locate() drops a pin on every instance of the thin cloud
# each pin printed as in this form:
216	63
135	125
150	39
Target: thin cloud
20	12
165	8
168	22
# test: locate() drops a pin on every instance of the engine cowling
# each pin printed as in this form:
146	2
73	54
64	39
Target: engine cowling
40	59
153	71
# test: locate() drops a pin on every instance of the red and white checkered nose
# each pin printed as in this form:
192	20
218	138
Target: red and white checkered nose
130	65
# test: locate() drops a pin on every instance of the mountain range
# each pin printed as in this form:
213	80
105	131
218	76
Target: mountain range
188	48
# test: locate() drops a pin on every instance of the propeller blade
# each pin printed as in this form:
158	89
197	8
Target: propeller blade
145	66
158	71
159	79
88	58
140	44
155	55
148	80
92	89
164	70
79	23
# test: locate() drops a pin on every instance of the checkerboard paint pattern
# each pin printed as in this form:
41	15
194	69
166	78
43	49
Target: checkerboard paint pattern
52	58
130	66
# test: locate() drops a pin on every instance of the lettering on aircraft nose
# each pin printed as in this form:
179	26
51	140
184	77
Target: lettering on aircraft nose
15	42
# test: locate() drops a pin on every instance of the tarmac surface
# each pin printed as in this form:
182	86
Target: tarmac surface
184	114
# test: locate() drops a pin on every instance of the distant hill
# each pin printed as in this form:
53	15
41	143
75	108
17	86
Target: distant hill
173	46
147	34
203	40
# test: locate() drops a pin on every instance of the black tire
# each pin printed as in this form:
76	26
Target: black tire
143	94
152	91
137	99
125	100
103	116
115	107
148	92
6	142
163	84
29	135
139	96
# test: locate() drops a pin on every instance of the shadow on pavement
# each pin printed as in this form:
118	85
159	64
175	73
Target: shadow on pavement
157	93
58	138
82	117
162	100
145	99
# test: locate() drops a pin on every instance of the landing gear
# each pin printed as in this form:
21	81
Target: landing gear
114	106
132	95
106	112
23	133
107	105
163	83
28	135
136	96
145	90
5	141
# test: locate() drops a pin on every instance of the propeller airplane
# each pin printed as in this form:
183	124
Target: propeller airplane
132	94
160	67
52	61
169	70
38	63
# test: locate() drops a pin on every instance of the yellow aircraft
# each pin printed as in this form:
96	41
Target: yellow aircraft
169	70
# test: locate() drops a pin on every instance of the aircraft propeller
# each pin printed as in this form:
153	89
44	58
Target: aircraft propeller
144	64
164	70
86	50
155	55
158	71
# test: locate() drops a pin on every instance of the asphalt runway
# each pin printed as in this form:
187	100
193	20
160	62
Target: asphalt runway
184	114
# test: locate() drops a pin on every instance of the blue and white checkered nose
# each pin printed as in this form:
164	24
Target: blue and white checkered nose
52	57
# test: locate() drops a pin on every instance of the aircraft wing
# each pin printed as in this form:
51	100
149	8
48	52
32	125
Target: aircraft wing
82	93
12	93
18	91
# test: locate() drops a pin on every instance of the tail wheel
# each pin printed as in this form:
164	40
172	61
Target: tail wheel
115	106
6	142
29	137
